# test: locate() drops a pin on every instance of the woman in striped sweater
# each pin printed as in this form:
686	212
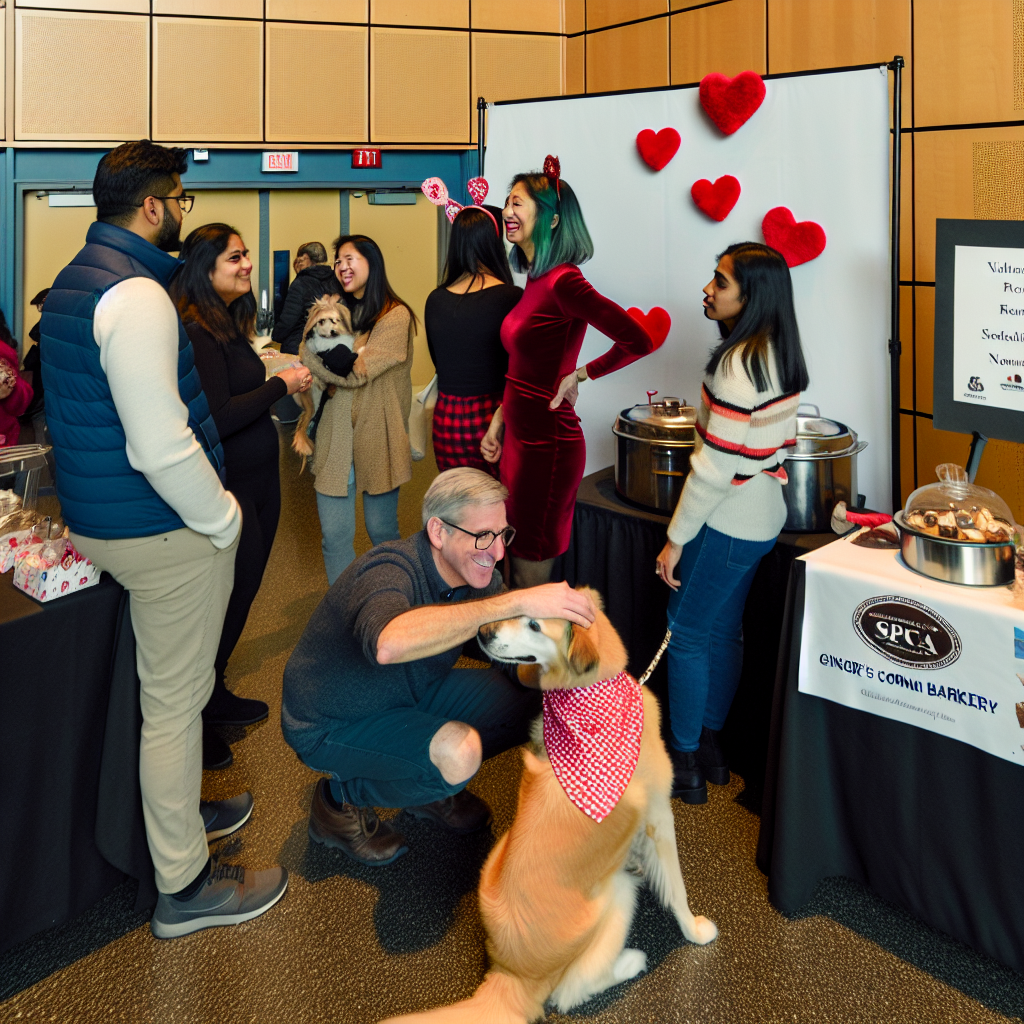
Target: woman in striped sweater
731	509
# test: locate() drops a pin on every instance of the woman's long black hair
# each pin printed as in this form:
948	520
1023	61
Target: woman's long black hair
378	297
768	316
475	248
193	293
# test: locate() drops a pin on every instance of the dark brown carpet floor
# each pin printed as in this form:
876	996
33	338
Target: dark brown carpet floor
353	944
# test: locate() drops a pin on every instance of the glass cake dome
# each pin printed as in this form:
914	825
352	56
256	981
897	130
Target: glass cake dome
955	509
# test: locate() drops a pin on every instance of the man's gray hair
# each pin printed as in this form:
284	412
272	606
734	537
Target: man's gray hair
455	489
314	250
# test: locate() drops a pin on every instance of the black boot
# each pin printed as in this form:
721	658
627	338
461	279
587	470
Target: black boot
712	758
216	753
224	708
689	783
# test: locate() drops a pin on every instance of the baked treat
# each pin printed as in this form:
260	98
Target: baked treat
1020	714
975	525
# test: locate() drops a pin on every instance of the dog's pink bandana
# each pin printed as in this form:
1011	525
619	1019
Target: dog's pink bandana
592	735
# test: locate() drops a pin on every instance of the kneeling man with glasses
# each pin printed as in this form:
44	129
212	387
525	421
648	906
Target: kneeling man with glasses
371	693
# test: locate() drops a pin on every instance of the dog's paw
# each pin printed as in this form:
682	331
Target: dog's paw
704	931
629	964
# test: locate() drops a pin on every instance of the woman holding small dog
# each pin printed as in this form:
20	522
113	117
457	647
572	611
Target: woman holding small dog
536	426
362	439
213	293
731	509
463	318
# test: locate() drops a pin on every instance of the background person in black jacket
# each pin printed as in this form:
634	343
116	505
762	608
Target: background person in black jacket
213	293
313	279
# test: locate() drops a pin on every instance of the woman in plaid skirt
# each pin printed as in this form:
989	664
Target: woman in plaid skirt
463	318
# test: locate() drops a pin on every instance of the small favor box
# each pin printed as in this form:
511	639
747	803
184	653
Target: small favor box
46	583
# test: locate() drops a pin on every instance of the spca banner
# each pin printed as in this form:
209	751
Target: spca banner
882	639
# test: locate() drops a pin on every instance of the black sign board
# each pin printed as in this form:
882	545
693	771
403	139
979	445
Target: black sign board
979	327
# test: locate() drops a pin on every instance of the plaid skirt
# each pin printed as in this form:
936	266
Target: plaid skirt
460	422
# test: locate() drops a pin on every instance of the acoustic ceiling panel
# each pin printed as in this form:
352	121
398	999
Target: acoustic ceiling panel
442	13
536	71
533	15
112	6
295	53
211	8
318	10
419	86
207	80
102	94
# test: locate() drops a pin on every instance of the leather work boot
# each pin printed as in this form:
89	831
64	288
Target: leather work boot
356	831
688	783
462	813
712	759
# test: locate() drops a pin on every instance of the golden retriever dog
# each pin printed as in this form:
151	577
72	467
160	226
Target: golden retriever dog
558	891
328	325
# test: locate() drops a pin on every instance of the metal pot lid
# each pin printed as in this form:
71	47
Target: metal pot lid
667	420
817	434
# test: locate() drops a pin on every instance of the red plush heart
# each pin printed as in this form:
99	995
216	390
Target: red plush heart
657	149
716	200
798	242
730	102
656	323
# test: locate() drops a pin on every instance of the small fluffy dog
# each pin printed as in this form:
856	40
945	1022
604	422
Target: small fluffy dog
328	334
558	891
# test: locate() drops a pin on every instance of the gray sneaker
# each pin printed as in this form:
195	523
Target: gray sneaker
222	817
231	895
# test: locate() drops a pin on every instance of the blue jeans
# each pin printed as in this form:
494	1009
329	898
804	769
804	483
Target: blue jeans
705	654
338	524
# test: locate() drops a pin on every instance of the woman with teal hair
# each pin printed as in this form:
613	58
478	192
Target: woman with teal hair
536	431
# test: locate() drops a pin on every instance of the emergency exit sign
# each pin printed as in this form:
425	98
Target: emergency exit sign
366	158
278	162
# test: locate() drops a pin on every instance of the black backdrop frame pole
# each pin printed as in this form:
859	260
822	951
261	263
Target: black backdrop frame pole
895	346
481	121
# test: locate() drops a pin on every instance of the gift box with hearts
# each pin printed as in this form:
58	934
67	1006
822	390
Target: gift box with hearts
42	576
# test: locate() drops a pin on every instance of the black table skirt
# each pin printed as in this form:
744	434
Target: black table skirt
71	824
925	821
613	549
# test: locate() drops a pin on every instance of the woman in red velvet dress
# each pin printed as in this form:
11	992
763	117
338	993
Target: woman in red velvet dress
536	431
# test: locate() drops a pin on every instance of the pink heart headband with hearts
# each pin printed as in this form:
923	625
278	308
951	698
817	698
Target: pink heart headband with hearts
437	192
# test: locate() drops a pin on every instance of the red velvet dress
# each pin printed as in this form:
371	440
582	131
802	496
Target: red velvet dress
544	451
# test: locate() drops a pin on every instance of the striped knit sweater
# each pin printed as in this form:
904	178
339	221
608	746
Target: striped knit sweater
736	471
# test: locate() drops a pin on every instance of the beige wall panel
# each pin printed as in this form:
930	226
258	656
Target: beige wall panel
536	71
944	170
113	6
101	94
729	38
290	115
964	55
805	34
575	67
530	15
574	16
420	86
907	481
240	208
407	236
190	68
442	13
319	10
614	12
634	57
298	216
924	345
53	236
211	8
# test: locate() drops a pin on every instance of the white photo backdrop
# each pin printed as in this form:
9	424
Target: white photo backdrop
819	145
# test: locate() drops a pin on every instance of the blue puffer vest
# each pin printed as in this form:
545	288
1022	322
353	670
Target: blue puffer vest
101	495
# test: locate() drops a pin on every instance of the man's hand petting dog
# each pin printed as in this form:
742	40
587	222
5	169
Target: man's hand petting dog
556	601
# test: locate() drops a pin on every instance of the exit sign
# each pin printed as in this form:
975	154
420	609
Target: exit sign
366	158
277	162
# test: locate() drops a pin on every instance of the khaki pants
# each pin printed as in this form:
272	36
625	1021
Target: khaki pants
179	585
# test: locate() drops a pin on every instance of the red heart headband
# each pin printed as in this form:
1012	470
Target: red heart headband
437	192
553	172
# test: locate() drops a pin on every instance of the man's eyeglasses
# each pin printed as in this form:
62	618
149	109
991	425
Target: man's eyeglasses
485	538
183	201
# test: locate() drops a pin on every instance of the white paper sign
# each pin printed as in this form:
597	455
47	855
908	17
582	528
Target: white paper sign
988	326
882	639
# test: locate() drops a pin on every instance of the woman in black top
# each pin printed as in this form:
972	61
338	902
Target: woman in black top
463	318
213	293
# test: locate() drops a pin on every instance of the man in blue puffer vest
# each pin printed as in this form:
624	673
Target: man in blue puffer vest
138	476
